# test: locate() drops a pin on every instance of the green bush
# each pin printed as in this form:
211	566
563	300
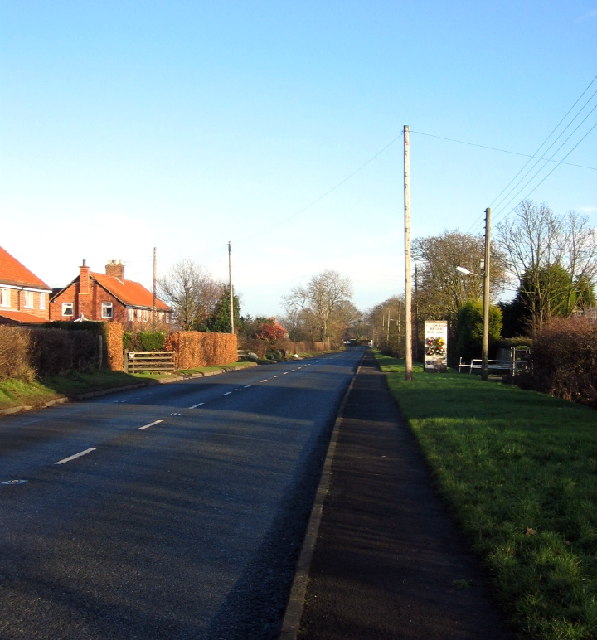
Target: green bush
144	340
469	329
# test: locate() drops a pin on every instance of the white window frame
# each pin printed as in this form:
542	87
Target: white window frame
108	315
28	304
5	297
42	300
68	309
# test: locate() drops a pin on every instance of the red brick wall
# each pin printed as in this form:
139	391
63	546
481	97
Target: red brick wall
17	303
89	304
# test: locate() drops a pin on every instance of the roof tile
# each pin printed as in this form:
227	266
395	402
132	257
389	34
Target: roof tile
14	273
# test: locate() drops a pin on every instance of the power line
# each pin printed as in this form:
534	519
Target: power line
549	135
506	197
498	149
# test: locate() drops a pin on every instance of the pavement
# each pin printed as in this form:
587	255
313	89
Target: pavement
382	558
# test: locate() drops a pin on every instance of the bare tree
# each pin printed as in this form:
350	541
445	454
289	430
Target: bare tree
192	293
441	288
320	302
538	245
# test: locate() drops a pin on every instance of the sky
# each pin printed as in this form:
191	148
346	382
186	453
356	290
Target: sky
278	126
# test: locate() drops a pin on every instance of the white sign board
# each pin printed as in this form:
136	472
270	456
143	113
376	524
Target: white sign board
436	345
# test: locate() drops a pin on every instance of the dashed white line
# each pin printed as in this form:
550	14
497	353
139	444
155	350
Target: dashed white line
228	393
151	424
77	455
248	385
194	406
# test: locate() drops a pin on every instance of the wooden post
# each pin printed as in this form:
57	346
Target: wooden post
230	283
408	358
155	279
486	275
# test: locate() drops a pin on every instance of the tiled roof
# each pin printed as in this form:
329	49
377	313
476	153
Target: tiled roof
13	272
129	292
20	316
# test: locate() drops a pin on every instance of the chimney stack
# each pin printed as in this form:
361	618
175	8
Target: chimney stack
83	304
84	278
115	268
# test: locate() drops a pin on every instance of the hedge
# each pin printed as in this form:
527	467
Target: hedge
564	360
196	349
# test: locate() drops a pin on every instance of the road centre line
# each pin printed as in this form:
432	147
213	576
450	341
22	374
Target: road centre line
194	406
228	393
77	455
151	424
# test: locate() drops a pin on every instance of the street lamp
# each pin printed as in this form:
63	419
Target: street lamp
485	340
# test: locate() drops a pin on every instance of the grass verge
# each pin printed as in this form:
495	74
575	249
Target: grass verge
519	470
17	393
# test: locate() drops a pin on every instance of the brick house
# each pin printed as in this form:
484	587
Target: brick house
24	298
107	298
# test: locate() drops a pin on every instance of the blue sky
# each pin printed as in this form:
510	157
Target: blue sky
183	125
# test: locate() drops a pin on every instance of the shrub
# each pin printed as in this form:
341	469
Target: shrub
55	351
15	348
144	340
565	360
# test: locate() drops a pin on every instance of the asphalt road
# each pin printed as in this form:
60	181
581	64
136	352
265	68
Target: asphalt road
169	512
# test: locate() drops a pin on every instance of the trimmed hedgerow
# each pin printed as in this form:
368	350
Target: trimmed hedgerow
15	350
565	360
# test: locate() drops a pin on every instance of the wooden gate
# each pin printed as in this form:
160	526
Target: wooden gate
150	361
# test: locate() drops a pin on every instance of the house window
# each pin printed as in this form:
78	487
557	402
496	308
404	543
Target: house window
67	309
28	299
131	315
107	310
42	301
5	297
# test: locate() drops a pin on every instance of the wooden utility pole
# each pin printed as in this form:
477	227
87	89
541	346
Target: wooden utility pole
155	280
230	285
486	275
408	357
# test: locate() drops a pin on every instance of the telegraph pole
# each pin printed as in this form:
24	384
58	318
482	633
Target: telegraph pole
155	279
408	357
486	275
230	285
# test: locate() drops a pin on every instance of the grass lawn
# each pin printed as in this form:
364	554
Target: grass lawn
519	470
16	393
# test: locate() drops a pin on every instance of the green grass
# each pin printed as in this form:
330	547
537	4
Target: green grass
519	470
17	393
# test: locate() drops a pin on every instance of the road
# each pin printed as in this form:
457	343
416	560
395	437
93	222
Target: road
170	512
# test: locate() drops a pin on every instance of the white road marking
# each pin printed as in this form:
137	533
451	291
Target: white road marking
151	424
248	385
77	455
228	393
194	406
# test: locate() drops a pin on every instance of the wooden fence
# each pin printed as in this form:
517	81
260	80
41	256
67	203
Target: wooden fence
150	361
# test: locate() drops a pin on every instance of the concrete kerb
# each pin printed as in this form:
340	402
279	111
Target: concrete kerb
294	608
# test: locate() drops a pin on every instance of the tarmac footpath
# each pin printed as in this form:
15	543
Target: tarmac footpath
382	559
